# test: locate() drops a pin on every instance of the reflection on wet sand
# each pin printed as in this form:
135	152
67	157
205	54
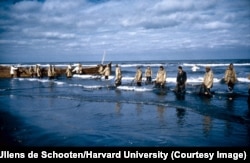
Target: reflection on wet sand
160	110
207	125
180	113
118	107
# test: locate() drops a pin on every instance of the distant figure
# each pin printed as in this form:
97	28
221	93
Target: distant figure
78	69
106	72
38	71
118	76
13	71
100	69
50	72
161	77
35	70
148	75
230	77
69	73
54	71
181	80
207	83
31	71
138	76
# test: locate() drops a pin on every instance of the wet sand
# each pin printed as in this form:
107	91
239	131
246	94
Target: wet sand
9	125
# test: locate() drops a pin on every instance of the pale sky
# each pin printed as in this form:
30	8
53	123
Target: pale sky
81	30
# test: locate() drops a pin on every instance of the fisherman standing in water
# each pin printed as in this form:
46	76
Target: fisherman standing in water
78	69
69	71
13	71
50	72
100	69
161	78
118	76
207	83
148	75
39	72
31	71
138	76
181	80
106	72
230	77
54	71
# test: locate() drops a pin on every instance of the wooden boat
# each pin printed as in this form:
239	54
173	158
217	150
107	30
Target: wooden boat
60	71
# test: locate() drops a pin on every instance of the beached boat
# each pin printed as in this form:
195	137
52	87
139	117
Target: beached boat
60	71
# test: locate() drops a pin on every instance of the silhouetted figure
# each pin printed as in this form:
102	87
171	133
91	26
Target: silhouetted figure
181	80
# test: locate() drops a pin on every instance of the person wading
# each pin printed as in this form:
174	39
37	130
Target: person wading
207	83
13	71
181	80
50	72
148	75
31	71
39	71
69	73
78	69
106	72
161	77
230	77
138	76
118	76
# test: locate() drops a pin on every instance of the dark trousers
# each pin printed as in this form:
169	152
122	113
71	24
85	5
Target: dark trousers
180	88
230	86
148	79
138	83
118	83
159	85
205	90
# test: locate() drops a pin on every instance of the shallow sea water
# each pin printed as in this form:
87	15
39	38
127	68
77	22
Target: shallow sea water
90	112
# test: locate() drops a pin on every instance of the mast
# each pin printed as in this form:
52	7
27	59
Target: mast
103	57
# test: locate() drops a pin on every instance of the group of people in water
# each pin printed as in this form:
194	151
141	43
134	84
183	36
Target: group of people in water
230	78
161	76
33	71
36	71
70	71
